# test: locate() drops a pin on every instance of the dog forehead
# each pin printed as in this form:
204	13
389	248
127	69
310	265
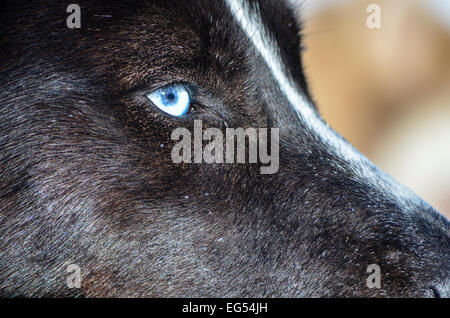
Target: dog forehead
214	21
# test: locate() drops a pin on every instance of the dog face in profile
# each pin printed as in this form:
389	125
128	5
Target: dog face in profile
87	176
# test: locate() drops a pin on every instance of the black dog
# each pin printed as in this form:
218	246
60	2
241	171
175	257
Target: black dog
87	177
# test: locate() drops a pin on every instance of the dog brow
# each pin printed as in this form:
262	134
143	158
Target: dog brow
250	22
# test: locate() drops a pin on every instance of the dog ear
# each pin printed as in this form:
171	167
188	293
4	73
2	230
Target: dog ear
300	12
297	6
304	9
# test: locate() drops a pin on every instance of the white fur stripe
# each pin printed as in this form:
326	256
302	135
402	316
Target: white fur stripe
251	23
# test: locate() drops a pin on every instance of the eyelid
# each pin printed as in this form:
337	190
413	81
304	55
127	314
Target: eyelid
149	86
191	88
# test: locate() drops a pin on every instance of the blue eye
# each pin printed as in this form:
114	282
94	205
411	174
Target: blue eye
173	99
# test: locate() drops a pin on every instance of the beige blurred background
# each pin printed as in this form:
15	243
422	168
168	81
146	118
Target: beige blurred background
386	90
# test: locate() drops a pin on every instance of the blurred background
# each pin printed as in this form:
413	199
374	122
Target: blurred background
386	90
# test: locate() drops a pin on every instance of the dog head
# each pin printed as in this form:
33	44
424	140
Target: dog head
88	178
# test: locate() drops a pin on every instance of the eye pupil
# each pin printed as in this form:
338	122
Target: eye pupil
170	98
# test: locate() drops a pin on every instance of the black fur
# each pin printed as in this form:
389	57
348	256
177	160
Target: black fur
86	175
